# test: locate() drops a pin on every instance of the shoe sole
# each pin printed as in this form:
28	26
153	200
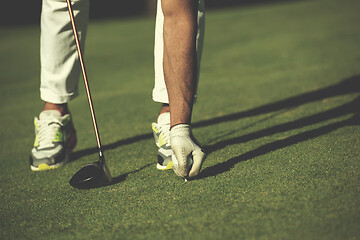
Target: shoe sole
44	166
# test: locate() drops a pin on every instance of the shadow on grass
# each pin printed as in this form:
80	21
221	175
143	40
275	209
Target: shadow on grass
347	86
99	181
227	165
348	108
122	177
78	154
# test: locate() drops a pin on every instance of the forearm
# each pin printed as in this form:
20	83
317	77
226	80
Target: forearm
180	57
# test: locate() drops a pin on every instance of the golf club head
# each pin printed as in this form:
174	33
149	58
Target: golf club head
93	175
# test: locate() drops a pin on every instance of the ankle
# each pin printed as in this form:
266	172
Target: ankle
62	108
164	115
165	108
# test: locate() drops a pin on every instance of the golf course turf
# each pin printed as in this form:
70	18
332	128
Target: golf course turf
278	115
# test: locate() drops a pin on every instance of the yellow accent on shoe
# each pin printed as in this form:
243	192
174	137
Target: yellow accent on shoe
36	126
58	137
168	166
154	128
162	140
43	167
36	142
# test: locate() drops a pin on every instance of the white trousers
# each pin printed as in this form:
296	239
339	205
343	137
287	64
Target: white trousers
60	67
159	91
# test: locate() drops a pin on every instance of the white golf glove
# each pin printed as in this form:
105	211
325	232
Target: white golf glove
188	156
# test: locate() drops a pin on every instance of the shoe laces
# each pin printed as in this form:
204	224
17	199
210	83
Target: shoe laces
47	131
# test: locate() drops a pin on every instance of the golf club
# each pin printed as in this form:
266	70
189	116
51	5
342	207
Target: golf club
95	174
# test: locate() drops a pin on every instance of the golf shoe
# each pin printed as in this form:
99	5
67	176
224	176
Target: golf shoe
55	138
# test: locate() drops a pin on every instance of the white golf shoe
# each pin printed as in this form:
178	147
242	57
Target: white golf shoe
161	132
55	139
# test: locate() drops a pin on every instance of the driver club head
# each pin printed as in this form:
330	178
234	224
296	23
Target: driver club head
93	175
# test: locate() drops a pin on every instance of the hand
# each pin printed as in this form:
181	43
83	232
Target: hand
188	155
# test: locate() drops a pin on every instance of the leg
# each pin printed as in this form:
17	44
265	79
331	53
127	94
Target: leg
180	63
59	61
55	133
160	92
161	128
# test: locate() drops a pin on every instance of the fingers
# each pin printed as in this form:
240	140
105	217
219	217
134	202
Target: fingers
198	157
188	156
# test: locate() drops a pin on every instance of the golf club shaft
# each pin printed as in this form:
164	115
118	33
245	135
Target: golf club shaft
71	13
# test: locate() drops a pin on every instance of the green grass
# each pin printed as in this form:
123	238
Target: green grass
278	114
